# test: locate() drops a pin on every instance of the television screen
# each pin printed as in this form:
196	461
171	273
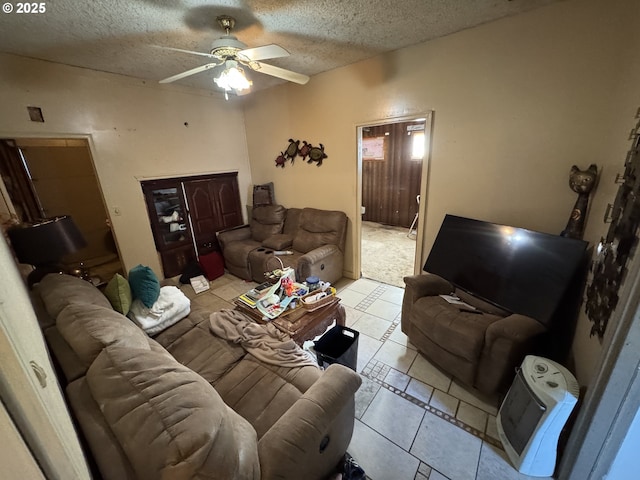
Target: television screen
520	270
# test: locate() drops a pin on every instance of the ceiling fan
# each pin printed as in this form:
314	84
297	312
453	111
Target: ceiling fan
232	53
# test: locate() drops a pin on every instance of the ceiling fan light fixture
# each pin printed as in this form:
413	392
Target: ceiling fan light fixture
228	53
232	78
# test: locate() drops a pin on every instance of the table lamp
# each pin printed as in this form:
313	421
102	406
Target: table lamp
44	243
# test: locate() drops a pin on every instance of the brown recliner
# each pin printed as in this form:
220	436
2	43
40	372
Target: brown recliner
237	243
482	349
315	237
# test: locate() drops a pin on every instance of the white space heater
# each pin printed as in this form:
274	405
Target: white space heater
533	414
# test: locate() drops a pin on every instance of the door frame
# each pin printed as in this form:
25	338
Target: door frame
29	387
88	138
612	399
422	207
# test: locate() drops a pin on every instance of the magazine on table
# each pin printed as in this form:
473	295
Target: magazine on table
456	301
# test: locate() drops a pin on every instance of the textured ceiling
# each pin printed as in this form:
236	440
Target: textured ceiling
119	36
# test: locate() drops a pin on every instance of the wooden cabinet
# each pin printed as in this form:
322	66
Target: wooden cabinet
214	204
185	214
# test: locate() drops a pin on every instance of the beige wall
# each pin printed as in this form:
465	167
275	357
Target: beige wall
517	102
136	130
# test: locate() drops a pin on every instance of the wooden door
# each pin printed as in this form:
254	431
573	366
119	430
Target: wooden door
228	200
66	184
214	204
203	214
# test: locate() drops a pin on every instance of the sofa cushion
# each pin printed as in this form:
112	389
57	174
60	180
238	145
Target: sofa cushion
319	227
118	292
57	291
70	364
193	345
278	242
170	422
460	333
90	328
109	457
145	286
259	393
266	221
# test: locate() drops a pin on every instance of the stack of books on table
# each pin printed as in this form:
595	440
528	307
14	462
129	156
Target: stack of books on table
251	297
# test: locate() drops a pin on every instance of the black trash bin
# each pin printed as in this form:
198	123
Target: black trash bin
338	345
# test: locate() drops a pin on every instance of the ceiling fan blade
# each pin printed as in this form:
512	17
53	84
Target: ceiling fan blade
193	71
263	53
186	51
279	72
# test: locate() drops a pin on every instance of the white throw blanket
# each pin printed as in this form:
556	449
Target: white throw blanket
265	342
172	306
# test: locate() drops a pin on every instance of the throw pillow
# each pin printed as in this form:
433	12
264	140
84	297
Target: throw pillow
144	285
119	294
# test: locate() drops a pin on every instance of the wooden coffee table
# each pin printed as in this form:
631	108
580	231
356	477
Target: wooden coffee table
300	324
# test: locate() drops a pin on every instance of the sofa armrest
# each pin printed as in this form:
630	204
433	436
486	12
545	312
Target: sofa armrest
417	286
225	237
318	254
325	262
311	437
427	284
515	328
507	342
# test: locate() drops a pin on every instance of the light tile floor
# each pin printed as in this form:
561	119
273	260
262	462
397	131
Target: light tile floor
413	421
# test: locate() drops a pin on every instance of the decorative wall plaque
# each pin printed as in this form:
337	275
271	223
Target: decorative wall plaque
614	251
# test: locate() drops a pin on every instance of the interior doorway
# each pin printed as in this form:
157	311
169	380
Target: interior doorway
391	158
49	177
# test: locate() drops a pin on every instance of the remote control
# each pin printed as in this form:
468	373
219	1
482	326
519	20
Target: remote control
468	310
283	252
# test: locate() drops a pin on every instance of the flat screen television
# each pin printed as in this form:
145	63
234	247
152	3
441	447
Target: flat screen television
519	270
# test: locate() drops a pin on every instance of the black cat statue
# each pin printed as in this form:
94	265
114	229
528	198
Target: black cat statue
581	182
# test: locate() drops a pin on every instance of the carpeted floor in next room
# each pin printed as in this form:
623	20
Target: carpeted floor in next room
413	421
387	253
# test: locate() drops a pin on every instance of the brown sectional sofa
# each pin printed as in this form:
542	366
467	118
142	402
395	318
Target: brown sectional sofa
316	238
187	404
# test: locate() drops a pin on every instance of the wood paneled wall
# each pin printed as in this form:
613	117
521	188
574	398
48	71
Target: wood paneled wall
390	184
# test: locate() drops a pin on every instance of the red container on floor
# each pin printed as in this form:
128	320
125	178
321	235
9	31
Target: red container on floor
212	264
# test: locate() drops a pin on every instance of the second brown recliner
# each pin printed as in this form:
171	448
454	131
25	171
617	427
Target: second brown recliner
315	237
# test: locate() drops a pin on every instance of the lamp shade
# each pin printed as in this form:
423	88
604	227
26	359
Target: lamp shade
46	241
